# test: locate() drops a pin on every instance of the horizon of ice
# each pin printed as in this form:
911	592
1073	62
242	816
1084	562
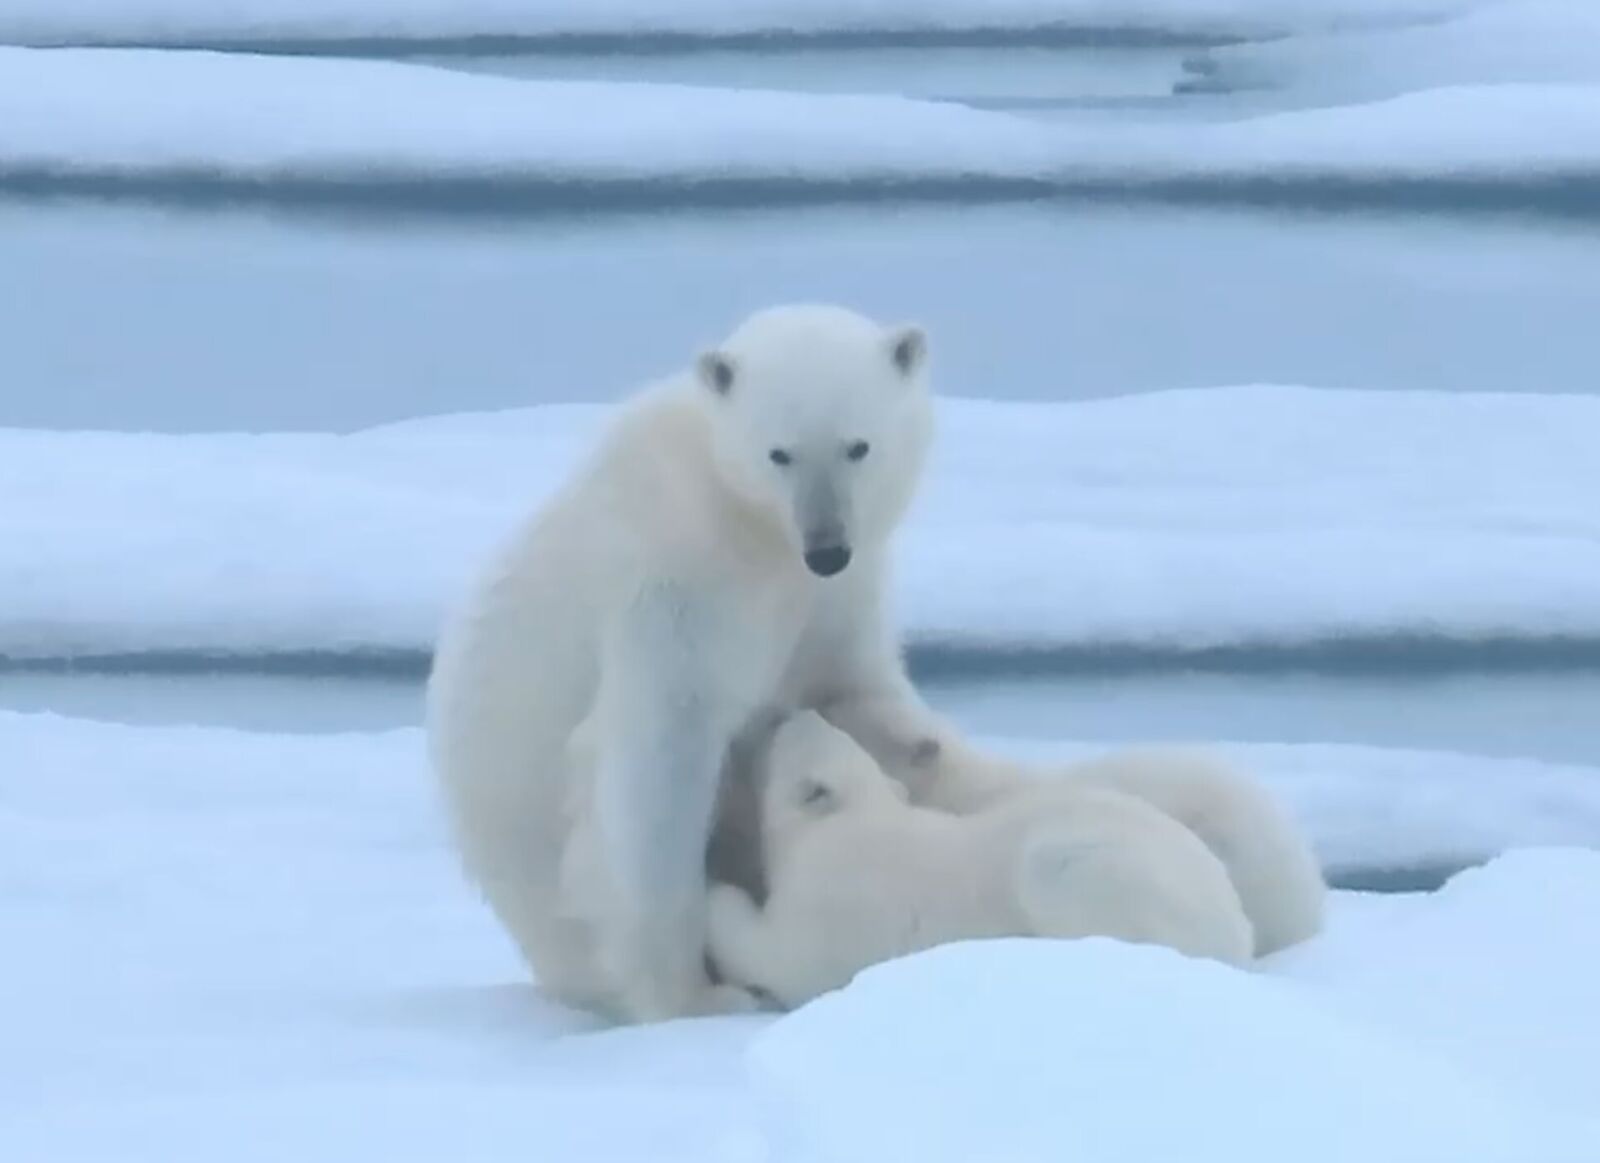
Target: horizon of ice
120	113
1185	520
1545	41
192	21
229	945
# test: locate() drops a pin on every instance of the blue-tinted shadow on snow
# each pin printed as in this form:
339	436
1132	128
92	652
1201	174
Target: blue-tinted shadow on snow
942	661
1056	35
1570	195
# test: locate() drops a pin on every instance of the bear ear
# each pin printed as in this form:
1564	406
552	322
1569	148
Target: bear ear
715	371
908	348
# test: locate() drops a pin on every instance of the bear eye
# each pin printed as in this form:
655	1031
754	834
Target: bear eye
858	450
780	458
815	795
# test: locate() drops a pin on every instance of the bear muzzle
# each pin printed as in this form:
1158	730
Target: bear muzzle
827	560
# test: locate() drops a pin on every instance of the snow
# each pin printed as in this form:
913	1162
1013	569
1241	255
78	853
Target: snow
1548	41
202	21
1243	516
1022	1050
130	111
111	113
1387	965
227	945
1509	132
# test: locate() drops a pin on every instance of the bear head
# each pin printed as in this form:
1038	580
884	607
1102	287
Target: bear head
822	418
814	770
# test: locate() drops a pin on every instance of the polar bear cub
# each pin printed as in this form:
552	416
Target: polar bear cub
1271	862
858	875
1268	855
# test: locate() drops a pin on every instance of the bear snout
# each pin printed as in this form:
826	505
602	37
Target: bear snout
828	560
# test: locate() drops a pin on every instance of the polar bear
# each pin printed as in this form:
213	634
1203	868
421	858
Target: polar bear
721	556
859	875
1268	856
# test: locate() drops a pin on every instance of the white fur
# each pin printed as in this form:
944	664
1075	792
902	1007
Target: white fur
1267	855
662	598
858	875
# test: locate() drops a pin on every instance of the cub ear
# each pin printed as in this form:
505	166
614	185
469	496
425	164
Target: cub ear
908	348
715	371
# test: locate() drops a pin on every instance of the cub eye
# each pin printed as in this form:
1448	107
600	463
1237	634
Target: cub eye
780	458
858	450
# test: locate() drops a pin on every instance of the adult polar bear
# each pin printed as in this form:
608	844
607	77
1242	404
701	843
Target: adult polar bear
722	555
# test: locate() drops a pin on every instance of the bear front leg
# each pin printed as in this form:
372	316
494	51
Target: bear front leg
857	680
662	732
900	734
889	720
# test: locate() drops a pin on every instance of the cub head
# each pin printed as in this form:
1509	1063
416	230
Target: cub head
813	771
821	418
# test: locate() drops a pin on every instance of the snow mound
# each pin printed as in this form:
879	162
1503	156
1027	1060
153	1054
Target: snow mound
112	111
1500	967
108	114
1478	132
1527	41
1177	520
203	21
1038	1050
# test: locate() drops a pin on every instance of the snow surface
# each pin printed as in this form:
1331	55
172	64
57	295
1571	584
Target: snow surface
1189	519
222	945
1549	41
199	21
975	1051
135	111
109	112
1385	966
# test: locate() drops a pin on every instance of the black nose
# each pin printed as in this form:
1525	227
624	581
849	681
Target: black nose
828	561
